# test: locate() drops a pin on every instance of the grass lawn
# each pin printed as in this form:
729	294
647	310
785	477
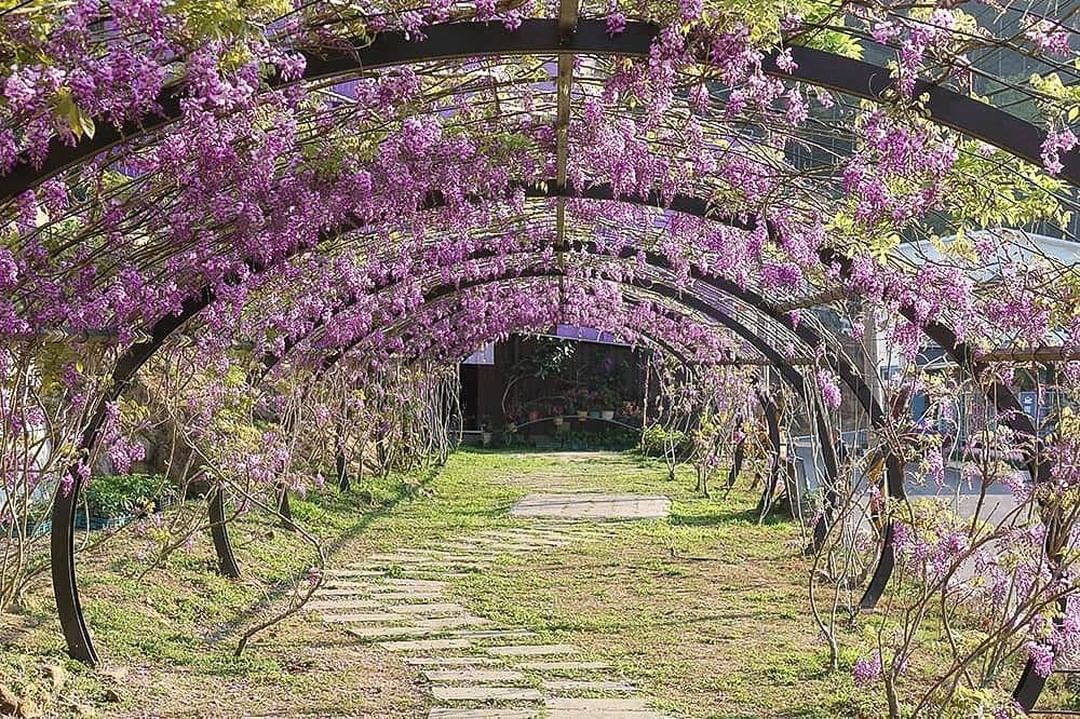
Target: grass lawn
706	611
166	640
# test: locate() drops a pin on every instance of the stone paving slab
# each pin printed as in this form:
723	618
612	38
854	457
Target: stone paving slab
578	685
348	572
350	583
402	588
525	533
476	668
372	617
596	705
449	556
293	715
562	666
438	570
426	645
411	596
415	583
601	714
494	634
531	650
342	604
453	622
434	567
359	618
392	632
443	713
474	676
593	506
341	592
529	537
430	609
486	694
451	661
486	547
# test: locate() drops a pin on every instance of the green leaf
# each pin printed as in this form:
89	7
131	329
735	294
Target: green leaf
86	123
76	118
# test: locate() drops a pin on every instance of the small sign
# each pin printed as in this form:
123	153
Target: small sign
1029	401
484	355
587	334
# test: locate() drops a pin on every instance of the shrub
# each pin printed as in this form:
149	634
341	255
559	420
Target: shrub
118	495
655	441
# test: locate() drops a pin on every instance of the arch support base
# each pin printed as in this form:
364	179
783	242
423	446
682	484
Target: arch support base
227	564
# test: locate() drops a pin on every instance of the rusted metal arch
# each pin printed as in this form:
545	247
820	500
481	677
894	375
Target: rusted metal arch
545	37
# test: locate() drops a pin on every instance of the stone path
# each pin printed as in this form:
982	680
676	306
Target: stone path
589	505
476	668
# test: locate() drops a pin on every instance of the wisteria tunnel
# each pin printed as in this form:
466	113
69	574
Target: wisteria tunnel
292	288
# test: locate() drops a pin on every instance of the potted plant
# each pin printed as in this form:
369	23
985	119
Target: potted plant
515	413
608	398
485	435
580	398
557	415
594	405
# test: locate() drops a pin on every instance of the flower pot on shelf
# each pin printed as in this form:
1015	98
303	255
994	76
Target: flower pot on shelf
558	420
582	414
607	414
594	413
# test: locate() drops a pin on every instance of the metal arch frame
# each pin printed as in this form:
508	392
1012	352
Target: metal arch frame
1011	414
756	302
69	610
772	423
62	533
271	360
853	77
228	566
786	370
894	473
806	334
548	37
77	634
